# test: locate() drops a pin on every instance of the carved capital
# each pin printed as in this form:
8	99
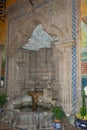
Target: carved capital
65	44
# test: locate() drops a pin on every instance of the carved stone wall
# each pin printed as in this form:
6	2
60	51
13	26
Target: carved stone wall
63	66
56	19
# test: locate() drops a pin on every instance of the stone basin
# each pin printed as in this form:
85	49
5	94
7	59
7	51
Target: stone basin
19	114
33	120
29	120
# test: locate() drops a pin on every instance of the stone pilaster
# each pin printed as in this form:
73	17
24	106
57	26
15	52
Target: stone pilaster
11	82
63	65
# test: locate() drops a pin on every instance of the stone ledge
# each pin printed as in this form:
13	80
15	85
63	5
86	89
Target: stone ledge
65	44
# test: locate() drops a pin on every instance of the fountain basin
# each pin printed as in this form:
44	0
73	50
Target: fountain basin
29	120
33	120
19	114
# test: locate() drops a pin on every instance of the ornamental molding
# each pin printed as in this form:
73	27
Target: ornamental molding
65	44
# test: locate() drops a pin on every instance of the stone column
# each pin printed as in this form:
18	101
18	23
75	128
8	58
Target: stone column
65	81
11	82
63	75
21	71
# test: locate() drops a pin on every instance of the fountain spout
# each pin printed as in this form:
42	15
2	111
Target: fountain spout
34	95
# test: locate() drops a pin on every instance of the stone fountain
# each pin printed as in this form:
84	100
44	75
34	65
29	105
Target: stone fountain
30	111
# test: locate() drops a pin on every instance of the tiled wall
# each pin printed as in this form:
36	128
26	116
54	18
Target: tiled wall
74	59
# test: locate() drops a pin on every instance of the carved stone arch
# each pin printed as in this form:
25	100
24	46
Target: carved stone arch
26	31
60	30
29	25
24	34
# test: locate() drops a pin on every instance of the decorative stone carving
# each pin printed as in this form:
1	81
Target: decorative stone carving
53	68
61	29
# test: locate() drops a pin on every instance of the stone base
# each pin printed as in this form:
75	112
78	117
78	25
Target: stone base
30	120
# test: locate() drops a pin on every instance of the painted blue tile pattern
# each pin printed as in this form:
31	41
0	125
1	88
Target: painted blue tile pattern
74	60
74	80
74	19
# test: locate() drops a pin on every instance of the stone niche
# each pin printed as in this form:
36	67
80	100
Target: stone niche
48	69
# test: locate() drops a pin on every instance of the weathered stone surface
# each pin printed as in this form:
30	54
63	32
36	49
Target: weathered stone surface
50	68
